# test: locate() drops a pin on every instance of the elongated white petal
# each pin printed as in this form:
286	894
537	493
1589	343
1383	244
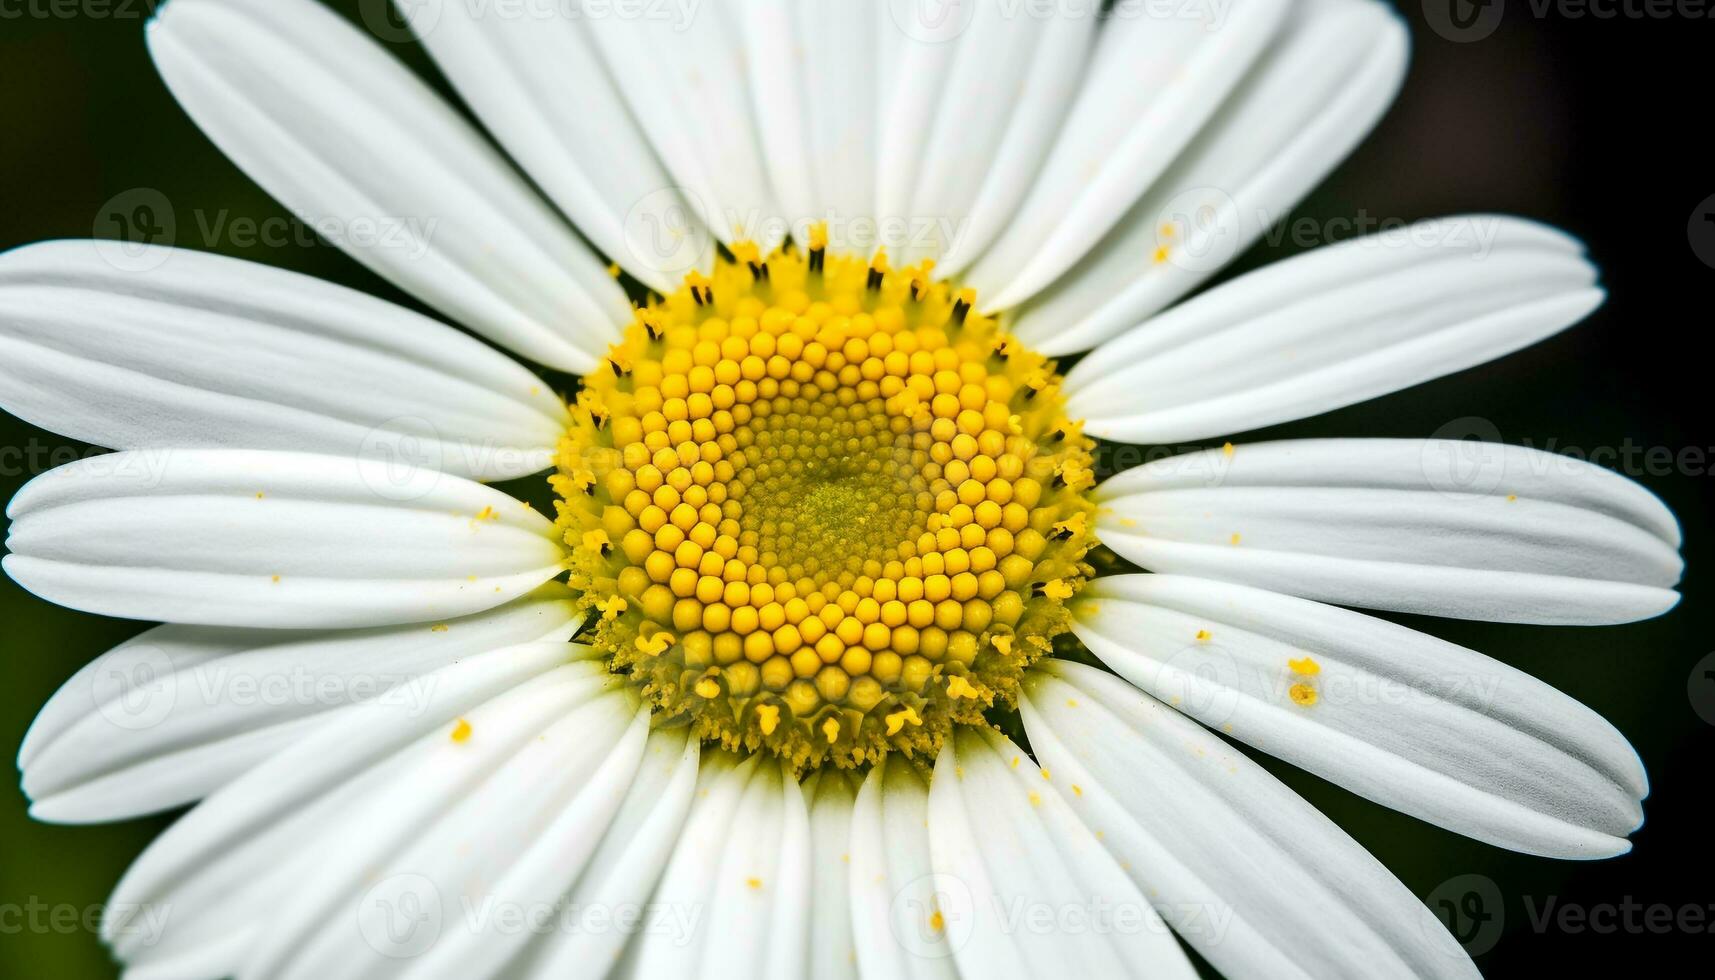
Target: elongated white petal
461	856
1334	327
207	351
814	84
227	537
1243	869
223	867
1010	850
686	84
167	717
971	185
1316	91
832	954
532	75
1401	529
627	864
744	860
344	921
1152	84
893	881
373	160
1394	715
532	872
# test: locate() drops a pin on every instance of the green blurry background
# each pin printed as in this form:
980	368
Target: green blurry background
1590	124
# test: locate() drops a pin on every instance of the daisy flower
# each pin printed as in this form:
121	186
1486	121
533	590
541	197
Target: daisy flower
835	657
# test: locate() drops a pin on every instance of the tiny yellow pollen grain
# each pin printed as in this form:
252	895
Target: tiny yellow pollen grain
276	580
767	715
488	514
613	269
1015	761
1302	694
1044	772
1235	538
937	921
1035	798
1077	790
1227	449
461	731
1202	635
1160	255
438	628
1512	497
258	495
1306	666
755	884
1071	702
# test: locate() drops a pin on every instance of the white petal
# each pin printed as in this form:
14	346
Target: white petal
688	89
1335	327
1240	866
533	77
628	863
226	537
549	859
1414	723
473	856
372	159
976	185
813	79
917	69
1316	91
207	351
223	867
744	858
173	714
1455	466
831	794
893	882
1397	530
1031	892
1152	84
336	920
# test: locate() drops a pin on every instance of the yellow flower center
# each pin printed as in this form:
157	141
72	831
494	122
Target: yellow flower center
823	507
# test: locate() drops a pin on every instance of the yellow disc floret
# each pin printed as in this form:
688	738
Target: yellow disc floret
823	507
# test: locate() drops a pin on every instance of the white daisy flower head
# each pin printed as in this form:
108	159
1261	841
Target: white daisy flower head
836	657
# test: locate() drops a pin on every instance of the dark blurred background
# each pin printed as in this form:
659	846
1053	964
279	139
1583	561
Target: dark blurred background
1583	121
